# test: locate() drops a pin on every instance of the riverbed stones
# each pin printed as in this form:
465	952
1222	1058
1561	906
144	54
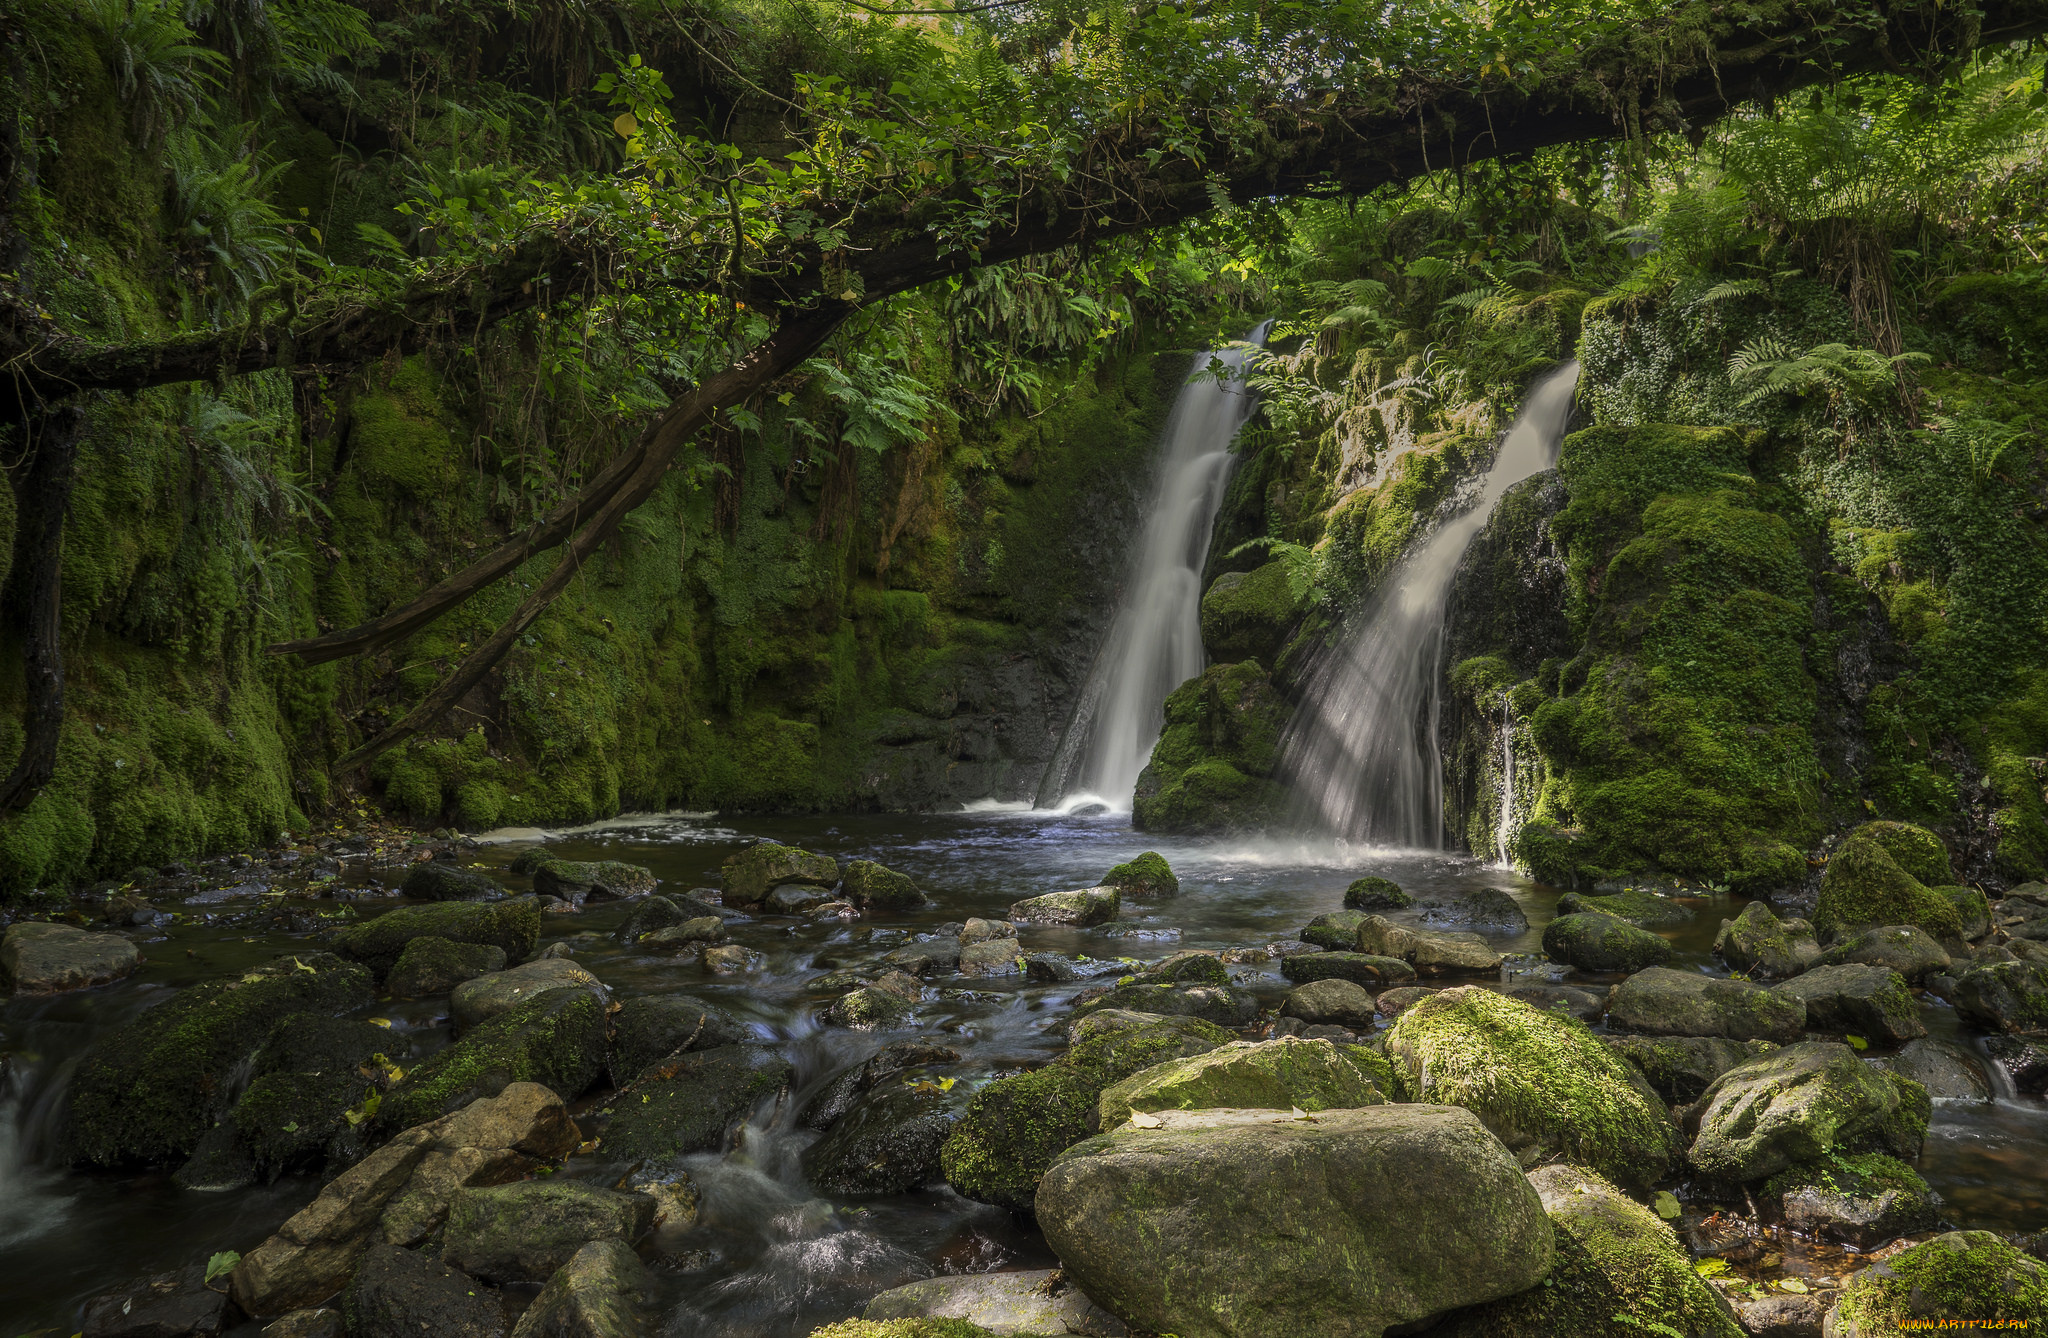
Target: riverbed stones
1645	910
888	1140
1947	1070
1012	1129
1681	1068
1864	884
1543	1083
593	880
431	965
438	880
163	1305
1224	1005
687	1103
748	876
978	930
1332	1002
1800	1104
405	1294
733	959
2025	1062
555	1038
651	1027
1487	909
1376	894
891	1061
1872	1002
1863	1201
1585	1005
1245	1224
148	1090
1290	1073
1190	966
654	913
795	899
1394	1002
512	926
1593	941
1432	952
937	956
604	1291
1337	930
1366	970
523	1232
873	888
1952	1279
1906	949
700	930
1660	1001
478	1001
2004	996
990	957
37	957
868	1008
1038	1301
1619	1270
1758	944
1144	877
1080	908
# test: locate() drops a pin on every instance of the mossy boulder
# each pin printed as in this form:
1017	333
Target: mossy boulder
512	926
432	965
1962	1276
592	880
888	1141
1659	1001
1863	1200
1432	952
1336	930
1872	1002
303	1081
1620	1273
556	1039
1080	908
1376	894
1248	615
1191	967
1645	910
477	1001
1223	1005
1540	1080
1490	910
1270	1075
1595	941
687	1103
1682	1068
1368	970
1760	945
1864	885
2004	996
39	957
868	1008
751	874
147	1091
1801	1104
873	888
1212	769
651	1027
1013	1128
523	1232
438	880
1973	910
1145	876
1915	850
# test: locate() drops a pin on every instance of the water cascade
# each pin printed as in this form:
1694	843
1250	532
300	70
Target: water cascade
1155	641
1362	753
1504	825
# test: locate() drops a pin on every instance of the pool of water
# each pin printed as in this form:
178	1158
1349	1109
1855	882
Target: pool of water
771	1257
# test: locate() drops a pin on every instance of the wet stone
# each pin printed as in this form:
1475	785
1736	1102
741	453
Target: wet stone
1948	1071
167	1305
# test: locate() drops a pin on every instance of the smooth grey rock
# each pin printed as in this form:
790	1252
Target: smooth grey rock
1660	1001
1855	1000
42	958
1948	1071
1036	1302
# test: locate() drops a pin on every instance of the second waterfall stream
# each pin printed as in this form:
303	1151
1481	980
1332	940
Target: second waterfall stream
1362	752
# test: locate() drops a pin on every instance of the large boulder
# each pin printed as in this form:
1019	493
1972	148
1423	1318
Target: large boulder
2004	996
1540	1080
477	1001
892	1062
1288	1073
1333	1002
555	1039
523	1232
149	1090
404	1294
1646	910
1864	884
652	1027
37	957
303	1083
592	880
512	926
1248	615
1620	1273
1660	1001
1681	1068
1213	767
1865	1200
1082	908
1801	1104
1947	1070
687	1103
1594	941
888	1141
1905	949
1255	1224
1365	970
1433	952
432	965
873	888
1013	1128
1143	877
1867	1001
1760	945
438	880
1945	1282
1039	1301
604	1291
750	875
1376	894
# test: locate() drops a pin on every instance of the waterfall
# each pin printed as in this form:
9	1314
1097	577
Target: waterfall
1504	825
1362	752
1155	640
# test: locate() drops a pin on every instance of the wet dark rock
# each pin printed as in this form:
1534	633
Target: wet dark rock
1223	1005
2003	996
1488	910
1862	1201
1192	967
1594	941
990	957
1681	1068
604	1291
1392	1003
651	1027
688	1104
796	899
592	880
432	880
1800	1104
1376	894
523	1232
321	1323
432	965
42	958
167	1305
512	926
1945	1069
888	1062
477	1001
649	914
2025	1062
1050	968
1331	1002
1759	944
1367	970
1906	949
701	930
220	1162
733	959
932	957
888	1140
1663	1002
556	1039
406	1294
1867	1001
751	874
867	1009
1646	910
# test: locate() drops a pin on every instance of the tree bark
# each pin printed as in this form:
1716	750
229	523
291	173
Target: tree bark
44	501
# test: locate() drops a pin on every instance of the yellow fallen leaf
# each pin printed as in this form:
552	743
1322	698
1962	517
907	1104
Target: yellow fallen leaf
303	967
380	1022
1794	1285
1145	1121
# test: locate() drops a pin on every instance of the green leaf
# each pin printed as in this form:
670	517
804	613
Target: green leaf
1857	1042
222	1264
1667	1205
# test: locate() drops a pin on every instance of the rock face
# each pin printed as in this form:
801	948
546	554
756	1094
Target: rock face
691	1101
523	1232
1864	1201
1646	910
1594	941
1663	1002
1619	1271
1759	944
1037	1302
431	965
164	1305
1251	1224
1801	1103
512	926
604	1291
651	1027
1905	949
41	958
478	1001
1864	883
1144	878
1541	1081
1868	1001
1311	1075
750	875
1964	1275
1332	1002
2004	996
1082	908
149	1090
437	880
1433	952
555	1039
1013	1128
592	880
873	888
402	1293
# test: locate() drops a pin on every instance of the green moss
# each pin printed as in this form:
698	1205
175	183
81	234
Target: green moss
1248	615
1916	850
1211	769
1864	885
903	1328
1964	1275
1376	894
556	1039
1866	1173
1282	1074
512	926
1146	875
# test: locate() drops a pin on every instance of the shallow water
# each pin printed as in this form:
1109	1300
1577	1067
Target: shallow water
772	1258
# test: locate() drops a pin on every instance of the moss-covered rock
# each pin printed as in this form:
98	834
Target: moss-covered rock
1872	1002
1595	941
1222	1005
1249	615
2004	996
1801	1104
1660	1001
1212	769
147	1091
431	964
1368	970
592	880
1540	1080
555	1039
1143	876
1759	944
888	1141
1013	1128
1432	952
868	1008
1915	850
1620	1273
1962	1276
1189	967
1336	930
1332	1002
688	1102
1863	1200
308	1075
1376	894
478	1001
1681	1068
1863	885
751	874
438	880
1905	949
1973	910
523	1232
604	1291
1270	1075
511	926
1646	910
1080	908
902	1328
871	887
651	1027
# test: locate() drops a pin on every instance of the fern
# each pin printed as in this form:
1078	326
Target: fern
157	65
1303	569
